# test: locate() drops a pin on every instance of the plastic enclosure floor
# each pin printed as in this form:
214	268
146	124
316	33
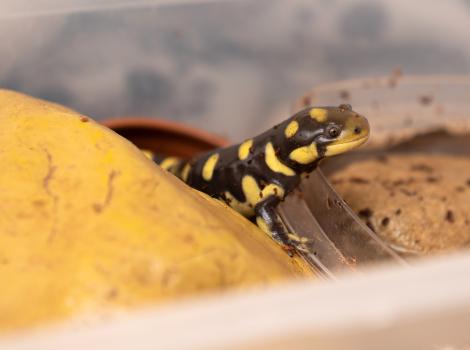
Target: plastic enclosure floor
385	308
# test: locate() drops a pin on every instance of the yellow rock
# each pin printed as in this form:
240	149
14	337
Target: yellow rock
89	225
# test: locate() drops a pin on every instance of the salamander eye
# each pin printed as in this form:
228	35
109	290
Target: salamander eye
333	131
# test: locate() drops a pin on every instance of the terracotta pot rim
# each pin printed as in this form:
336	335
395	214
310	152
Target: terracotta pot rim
139	122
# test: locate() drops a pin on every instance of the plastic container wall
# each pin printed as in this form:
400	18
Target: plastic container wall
226	66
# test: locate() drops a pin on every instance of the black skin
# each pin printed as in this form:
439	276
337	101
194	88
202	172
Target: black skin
230	170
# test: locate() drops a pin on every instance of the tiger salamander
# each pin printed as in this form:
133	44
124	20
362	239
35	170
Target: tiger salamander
253	177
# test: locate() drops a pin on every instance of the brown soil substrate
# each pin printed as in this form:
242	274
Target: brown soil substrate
419	203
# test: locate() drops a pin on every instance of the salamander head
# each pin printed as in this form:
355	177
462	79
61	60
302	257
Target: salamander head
323	132
344	130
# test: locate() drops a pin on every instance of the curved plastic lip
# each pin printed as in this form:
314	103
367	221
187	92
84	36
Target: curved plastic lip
337	239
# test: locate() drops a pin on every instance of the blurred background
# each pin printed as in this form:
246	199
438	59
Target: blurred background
232	67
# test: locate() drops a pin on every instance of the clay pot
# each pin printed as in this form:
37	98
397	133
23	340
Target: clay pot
165	137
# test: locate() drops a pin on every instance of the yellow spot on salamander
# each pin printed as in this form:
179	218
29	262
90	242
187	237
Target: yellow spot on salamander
296	238
272	190
244	149
250	189
148	154
209	165
185	172
319	114
305	154
242	207
263	225
169	163
254	194
274	163
291	129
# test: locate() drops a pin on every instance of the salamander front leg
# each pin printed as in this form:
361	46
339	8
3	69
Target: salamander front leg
270	222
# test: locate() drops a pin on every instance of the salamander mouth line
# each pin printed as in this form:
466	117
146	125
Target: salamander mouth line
364	138
349	144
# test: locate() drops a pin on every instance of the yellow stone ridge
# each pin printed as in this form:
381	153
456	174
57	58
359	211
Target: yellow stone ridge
89	225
